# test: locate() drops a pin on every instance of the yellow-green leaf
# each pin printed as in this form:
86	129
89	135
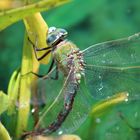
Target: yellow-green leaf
9	17
63	137
37	30
13	90
4	102
102	106
24	88
4	135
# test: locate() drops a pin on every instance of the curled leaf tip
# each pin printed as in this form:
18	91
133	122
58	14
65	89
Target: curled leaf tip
110	102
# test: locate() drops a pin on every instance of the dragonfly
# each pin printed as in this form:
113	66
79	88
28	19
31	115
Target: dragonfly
78	77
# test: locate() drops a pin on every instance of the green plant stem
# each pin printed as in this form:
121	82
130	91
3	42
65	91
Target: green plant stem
24	88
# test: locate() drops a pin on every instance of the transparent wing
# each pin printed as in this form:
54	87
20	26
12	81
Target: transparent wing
44	93
103	82
113	67
54	93
117	53
80	111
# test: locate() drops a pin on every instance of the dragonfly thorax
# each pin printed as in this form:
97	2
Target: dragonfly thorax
75	61
69	58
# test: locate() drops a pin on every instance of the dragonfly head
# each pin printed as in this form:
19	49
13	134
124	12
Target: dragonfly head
55	36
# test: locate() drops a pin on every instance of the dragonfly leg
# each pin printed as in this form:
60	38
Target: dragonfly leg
56	72
56	75
51	66
49	70
44	55
36	49
37	75
45	75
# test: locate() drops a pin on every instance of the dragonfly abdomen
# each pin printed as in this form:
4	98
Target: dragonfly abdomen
64	112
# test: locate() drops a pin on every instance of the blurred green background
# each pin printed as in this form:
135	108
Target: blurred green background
87	22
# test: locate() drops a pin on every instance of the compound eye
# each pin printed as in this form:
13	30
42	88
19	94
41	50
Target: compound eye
51	39
63	32
51	29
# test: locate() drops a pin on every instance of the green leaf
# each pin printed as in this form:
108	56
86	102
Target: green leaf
11	16
4	135
4	102
13	90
